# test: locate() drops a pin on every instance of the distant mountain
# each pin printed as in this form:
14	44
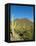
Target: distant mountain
23	21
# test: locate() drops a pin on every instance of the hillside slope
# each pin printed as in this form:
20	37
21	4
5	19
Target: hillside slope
24	29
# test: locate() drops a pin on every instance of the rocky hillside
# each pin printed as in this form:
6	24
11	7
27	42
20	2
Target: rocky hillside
24	29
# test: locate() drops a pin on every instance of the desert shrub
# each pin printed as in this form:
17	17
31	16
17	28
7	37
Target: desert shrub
27	35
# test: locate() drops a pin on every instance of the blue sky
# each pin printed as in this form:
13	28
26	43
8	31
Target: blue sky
21	12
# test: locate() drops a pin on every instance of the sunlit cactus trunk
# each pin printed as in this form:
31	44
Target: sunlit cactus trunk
12	36
13	26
